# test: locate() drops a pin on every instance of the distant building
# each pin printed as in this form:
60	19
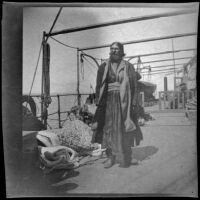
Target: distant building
189	77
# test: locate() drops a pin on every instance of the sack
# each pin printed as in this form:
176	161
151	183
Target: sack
63	162
48	138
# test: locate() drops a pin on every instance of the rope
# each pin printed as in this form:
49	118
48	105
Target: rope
34	73
69	46
66	45
54	23
92	56
90	64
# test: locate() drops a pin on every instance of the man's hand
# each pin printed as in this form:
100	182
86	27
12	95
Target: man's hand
94	126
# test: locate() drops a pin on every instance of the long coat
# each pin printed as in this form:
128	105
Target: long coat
128	98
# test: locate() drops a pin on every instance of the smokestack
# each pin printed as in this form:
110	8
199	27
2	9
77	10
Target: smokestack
165	84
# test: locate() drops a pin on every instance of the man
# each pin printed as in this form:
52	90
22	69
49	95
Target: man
116	93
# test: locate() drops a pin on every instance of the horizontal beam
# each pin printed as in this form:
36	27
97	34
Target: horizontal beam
142	41
157	73
171	59
165	66
159	53
162	70
167	69
134	19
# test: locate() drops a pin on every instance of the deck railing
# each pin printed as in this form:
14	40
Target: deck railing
57	110
174	99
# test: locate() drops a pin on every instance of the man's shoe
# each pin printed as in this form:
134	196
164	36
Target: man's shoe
124	165
128	163
109	163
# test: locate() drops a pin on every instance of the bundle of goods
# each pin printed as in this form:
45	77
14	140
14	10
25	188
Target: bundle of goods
57	150
53	155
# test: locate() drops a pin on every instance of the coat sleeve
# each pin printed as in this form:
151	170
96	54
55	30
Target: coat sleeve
99	80
133	84
97	115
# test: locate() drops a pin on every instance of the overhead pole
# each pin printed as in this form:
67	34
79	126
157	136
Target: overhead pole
158	53
117	22
142	40
160	66
174	64
55	20
161	70
154	61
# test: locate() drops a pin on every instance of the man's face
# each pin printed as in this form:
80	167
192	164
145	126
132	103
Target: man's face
115	53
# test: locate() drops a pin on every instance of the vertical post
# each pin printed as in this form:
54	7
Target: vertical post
159	100
165	99
174	83
178	103
44	63
165	84
42	85
183	99
174	100
78	79
59	122
187	93
142	98
174	64
165	89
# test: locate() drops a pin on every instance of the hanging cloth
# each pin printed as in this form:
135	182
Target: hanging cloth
46	76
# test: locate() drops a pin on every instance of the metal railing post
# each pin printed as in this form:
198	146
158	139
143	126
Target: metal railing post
78	79
178	99
59	122
159	100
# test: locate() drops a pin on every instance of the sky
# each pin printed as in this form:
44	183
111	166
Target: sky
63	60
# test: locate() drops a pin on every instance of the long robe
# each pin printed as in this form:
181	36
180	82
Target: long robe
117	122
